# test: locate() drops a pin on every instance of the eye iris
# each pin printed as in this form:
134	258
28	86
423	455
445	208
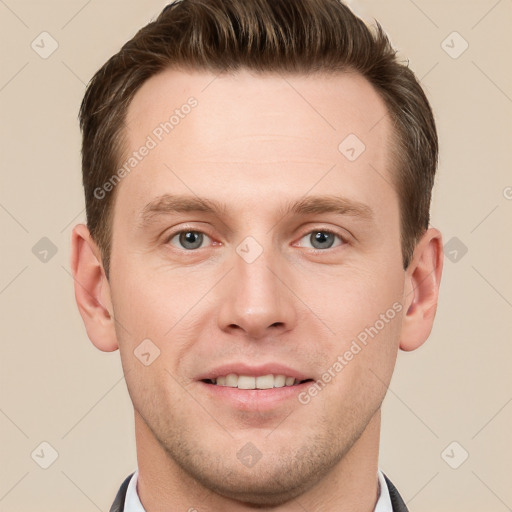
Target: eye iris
191	239
323	238
194	239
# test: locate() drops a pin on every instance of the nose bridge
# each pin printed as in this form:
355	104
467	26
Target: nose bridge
256	300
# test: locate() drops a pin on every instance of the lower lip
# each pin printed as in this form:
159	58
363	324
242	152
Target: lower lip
254	399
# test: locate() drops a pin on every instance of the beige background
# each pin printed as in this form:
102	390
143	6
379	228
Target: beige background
57	388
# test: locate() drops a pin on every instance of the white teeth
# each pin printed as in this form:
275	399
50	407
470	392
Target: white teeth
265	382
250	382
246	382
289	381
232	380
279	381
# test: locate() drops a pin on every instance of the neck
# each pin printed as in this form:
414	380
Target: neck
350	485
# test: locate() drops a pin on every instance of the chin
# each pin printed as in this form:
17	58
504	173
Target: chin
260	488
278	477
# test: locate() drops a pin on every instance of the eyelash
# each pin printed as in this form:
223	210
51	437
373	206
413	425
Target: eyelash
343	239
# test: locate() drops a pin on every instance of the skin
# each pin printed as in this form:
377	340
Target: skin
254	143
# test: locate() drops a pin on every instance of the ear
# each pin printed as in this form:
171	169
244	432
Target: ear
422	281
92	290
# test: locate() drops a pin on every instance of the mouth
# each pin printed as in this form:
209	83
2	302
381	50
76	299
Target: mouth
270	387
267	381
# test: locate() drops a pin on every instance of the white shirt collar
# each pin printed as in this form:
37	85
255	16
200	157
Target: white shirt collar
133	504
384	502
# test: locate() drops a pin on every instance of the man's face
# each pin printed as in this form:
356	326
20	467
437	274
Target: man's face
255	289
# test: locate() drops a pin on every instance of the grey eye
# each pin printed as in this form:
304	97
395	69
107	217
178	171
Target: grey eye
190	239
321	239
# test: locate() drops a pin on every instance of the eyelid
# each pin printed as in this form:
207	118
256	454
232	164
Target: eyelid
184	228
344	238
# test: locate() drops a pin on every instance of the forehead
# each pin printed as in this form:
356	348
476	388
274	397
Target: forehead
261	135
325	105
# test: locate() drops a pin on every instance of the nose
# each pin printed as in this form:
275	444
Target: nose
257	301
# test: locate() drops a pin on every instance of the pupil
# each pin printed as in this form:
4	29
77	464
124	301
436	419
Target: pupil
323	238
191	238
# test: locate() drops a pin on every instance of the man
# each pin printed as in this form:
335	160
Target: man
258	177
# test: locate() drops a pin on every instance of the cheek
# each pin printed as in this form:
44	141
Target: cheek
353	298
157	396
149	304
358	372
363	312
155	319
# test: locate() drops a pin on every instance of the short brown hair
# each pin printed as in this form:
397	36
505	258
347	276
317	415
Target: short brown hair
295	36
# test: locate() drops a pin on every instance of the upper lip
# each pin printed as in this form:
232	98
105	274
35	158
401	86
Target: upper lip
253	371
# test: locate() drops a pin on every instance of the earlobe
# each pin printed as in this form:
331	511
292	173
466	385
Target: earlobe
92	290
421	293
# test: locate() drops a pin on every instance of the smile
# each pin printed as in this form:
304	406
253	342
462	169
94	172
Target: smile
269	381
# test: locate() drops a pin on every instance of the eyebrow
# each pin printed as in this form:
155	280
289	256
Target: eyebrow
168	204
